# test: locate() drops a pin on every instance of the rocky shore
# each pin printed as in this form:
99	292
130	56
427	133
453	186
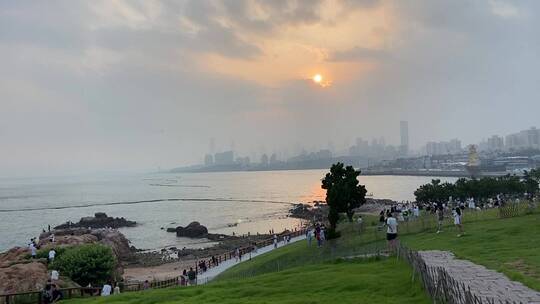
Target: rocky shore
318	210
19	273
99	220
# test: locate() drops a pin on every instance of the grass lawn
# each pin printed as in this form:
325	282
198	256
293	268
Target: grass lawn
375	281
511	246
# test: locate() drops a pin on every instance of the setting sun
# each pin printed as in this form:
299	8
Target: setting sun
317	78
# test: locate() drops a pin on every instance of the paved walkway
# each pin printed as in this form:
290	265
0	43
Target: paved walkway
211	273
484	283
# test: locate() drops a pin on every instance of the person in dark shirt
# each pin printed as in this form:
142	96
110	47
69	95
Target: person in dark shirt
57	294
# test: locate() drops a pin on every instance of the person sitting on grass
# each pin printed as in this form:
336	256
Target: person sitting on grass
457	220
391	232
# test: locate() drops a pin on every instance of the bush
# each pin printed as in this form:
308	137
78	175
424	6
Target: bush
87	264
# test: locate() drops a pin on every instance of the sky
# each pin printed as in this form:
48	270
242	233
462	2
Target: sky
89	86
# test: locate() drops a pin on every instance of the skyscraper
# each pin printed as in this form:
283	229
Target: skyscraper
404	132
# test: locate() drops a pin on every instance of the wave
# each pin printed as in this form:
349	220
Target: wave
149	201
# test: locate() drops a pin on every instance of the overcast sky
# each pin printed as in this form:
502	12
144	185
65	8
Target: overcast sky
137	85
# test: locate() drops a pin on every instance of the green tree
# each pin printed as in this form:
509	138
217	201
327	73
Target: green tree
343	192
91	263
532	179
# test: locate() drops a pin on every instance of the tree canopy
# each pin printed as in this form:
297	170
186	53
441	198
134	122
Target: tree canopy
481	189
343	192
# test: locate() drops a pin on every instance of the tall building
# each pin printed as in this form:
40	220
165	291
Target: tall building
224	158
495	143
404	134
524	139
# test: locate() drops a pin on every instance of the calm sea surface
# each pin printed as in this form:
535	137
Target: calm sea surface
256	201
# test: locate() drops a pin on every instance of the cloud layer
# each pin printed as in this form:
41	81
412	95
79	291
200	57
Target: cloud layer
118	85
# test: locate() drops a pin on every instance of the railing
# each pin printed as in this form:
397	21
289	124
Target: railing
32	297
441	287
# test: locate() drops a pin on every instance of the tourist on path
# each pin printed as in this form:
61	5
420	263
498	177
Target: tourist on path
106	290
309	236
391	232
275	241
116	288
192	277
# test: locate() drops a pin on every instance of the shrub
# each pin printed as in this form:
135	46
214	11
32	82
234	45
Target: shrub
87	264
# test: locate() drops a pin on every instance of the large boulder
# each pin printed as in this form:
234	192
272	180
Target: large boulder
78	236
193	230
99	220
13	256
23	277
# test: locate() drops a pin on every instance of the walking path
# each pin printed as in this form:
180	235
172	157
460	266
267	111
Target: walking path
483	283
211	273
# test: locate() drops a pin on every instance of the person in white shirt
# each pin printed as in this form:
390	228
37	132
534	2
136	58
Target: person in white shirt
106	290
33	250
52	254
457	221
55	275
391	232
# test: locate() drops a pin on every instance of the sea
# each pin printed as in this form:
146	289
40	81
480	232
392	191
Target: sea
225	202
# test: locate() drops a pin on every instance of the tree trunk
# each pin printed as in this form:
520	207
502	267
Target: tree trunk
350	214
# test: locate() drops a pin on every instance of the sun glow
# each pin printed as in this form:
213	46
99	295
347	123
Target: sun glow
317	78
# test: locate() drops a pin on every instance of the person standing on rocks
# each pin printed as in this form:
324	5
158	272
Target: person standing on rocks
33	250
52	254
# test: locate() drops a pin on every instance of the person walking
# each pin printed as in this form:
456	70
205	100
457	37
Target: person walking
192	277
106	290
309	236
457	220
391	232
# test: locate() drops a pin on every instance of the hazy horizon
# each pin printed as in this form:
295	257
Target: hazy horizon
92	86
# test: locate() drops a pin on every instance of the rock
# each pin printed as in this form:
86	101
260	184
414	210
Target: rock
78	236
99	220
23	277
193	230
171	229
13	256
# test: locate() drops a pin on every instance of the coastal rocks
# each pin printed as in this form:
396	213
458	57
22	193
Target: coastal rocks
78	236
312	212
13	256
193	230
23	277
99	220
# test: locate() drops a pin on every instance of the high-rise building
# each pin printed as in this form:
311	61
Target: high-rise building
208	160
524	139
404	134
224	158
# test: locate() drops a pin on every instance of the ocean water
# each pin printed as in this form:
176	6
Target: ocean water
254	201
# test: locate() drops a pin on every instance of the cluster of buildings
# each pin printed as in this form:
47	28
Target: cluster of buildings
497	153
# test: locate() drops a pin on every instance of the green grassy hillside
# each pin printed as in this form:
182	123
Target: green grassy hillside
511	246
386	281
